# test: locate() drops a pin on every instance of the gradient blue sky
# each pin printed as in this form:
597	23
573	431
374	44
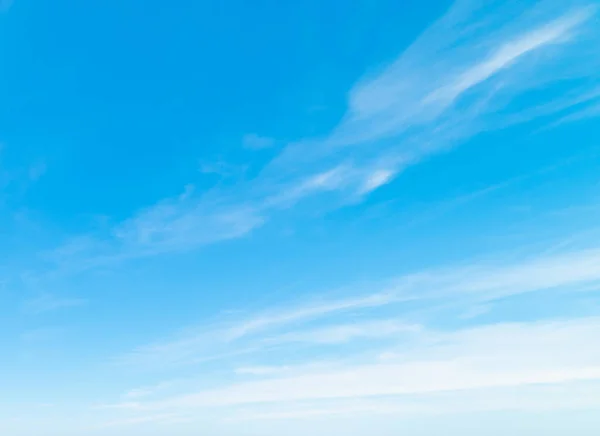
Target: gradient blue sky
317	217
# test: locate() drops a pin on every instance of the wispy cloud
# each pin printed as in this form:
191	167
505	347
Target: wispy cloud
487	282
376	179
469	285
447	67
485	357
531	398
507	54
175	224
308	312
457	79
591	111
339	334
226	340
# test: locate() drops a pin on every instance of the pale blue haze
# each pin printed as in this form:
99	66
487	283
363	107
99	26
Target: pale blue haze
288	218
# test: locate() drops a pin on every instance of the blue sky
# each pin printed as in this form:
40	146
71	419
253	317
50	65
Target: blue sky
299	218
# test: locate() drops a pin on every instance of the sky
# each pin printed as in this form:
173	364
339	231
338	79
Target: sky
318	217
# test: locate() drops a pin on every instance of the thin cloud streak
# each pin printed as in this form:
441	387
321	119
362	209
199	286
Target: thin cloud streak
496	356
344	333
592	111
470	285
450	84
533	398
509	53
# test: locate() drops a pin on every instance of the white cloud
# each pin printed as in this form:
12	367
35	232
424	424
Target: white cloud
465	48
375	180
173	225
467	286
307	312
494	356
343	333
456	79
534	274
227	340
326	181
531	398
508	53
177	224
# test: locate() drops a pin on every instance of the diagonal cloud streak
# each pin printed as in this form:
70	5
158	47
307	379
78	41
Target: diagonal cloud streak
456	80
469	285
